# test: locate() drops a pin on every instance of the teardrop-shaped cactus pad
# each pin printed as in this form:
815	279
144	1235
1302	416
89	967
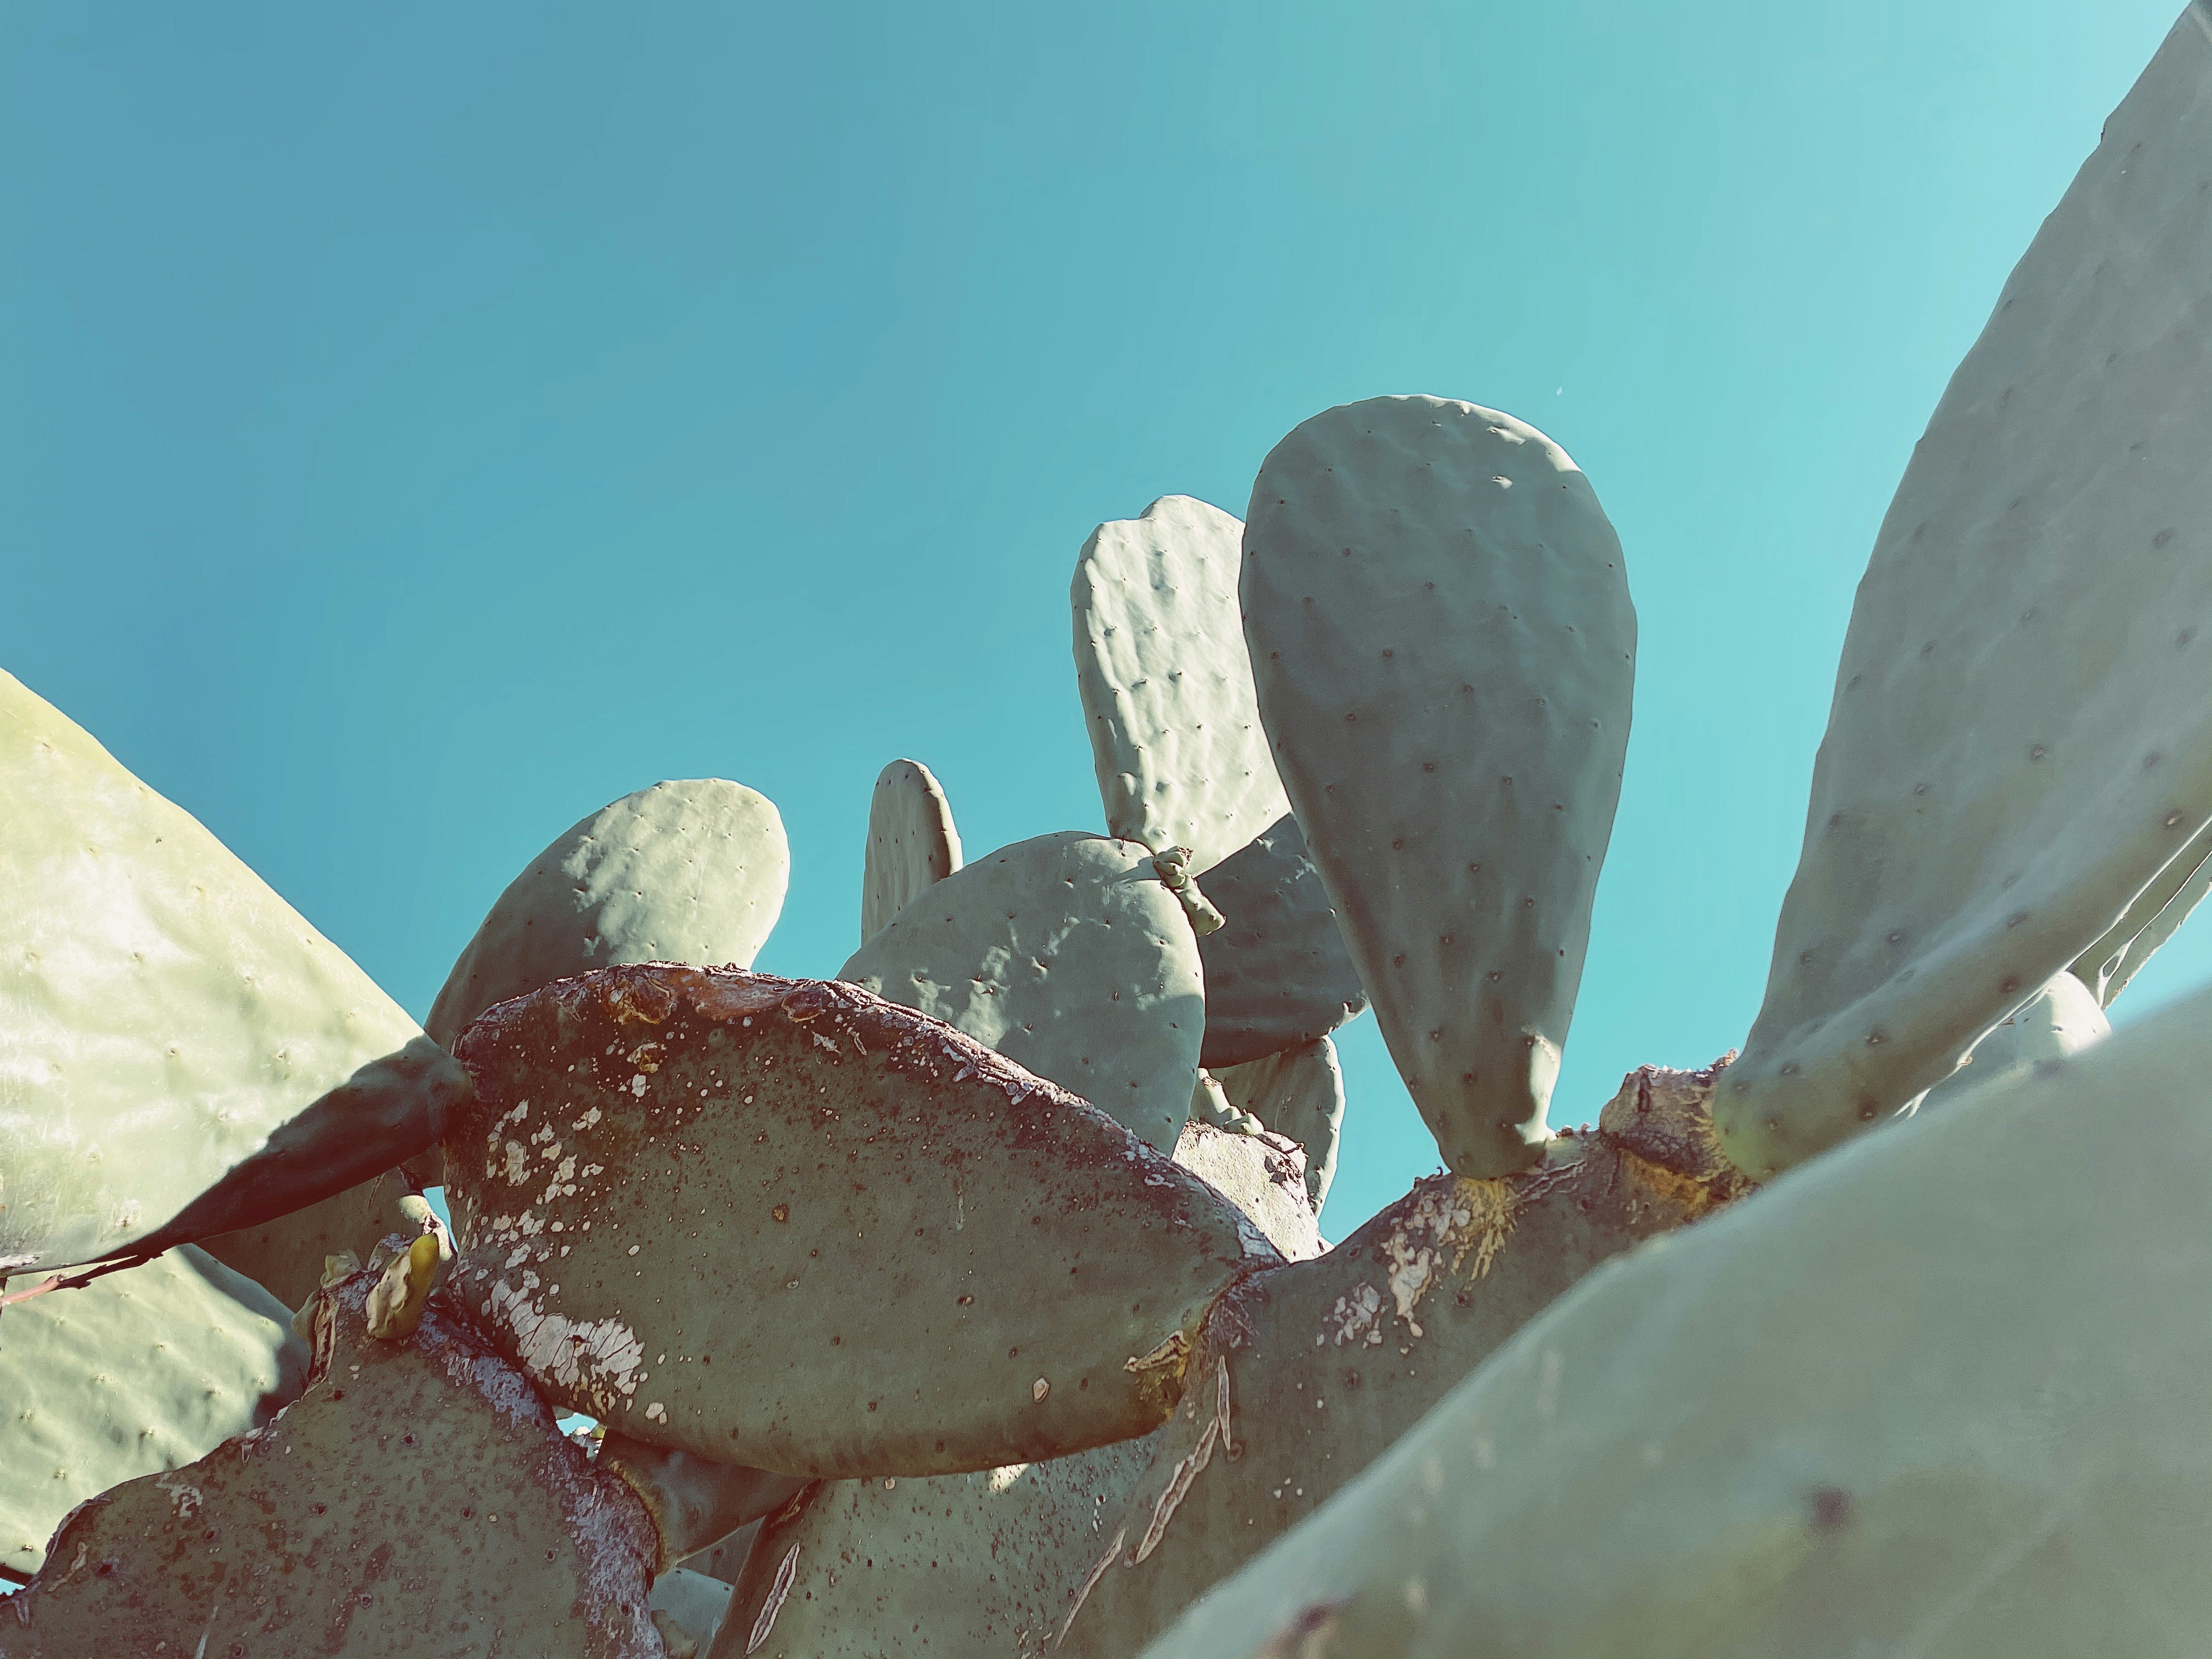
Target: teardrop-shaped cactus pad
1299	1094
1068	955
1165	685
285	1256
1943	1392
417	1499
790	1224
690	870
178	1036
2021	742
135	1372
988	1562
911	842
1276	973
1306	1375
1444	649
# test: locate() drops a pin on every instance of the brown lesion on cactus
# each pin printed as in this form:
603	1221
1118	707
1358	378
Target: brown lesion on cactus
1660	1122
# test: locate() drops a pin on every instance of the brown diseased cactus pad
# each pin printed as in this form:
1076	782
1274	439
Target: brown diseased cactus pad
789	1224
417	1499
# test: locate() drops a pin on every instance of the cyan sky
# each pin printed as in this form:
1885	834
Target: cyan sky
421	425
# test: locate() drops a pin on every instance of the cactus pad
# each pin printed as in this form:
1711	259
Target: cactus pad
179	1038
790	1224
1298	1094
285	1255
911	842
693	871
1068	955
1966	1417
1165	685
136	1372
1444	649
2063	1020
2018	747
2120	953
417	1499
1277	974
694	1501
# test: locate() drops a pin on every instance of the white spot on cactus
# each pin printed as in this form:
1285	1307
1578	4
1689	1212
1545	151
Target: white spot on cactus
637	1086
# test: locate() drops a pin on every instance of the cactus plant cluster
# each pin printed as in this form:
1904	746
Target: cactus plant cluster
972	1298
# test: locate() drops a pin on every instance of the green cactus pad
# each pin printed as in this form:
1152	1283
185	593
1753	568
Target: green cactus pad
1068	955
2017	749
693	871
1941	1393
136	1372
695	1601
1298	1093
178	1039
987	1562
725	1558
2120	953
285	1255
789	1224
1308	1374
693	1501
2063	1020
911	842
417	1499
1277	974
1165	685
1444	649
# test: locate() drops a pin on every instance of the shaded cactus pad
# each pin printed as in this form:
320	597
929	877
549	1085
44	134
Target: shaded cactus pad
416	1500
1276	973
789	1224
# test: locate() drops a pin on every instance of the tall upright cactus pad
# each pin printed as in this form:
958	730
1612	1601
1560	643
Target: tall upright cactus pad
1941	1393
1165	685
136	1372
285	1255
1068	955
1276	973
1444	648
789	1224
1298	1093
1308	1374
690	870
2020	741
912	842
417	1499
178	1037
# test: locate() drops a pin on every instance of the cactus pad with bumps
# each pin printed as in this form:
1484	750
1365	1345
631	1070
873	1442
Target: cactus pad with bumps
1165	685
1444	648
1299	1094
1277	973
184	1054
690	870
912	842
2018	746
789	1224
1069	956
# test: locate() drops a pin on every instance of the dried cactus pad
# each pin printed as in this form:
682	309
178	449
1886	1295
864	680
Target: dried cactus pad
1967	1418
1165	685
1298	1093
911	842
692	871
417	1499
178	1037
789	1224
1444	649
1277	973
2021	742
1066	955
136	1372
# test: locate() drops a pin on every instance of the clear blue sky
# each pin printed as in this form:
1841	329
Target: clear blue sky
421	425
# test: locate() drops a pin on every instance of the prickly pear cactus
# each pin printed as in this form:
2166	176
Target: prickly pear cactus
1165	685
1966	1418
177	1036
1298	1093
1444	649
417	1499
2019	745
1277	973
693	871
911	842
285	1255
1069	956
687	1609
136	1372
2063	1020
1306	1374
2120	952
695	1502
792	1225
